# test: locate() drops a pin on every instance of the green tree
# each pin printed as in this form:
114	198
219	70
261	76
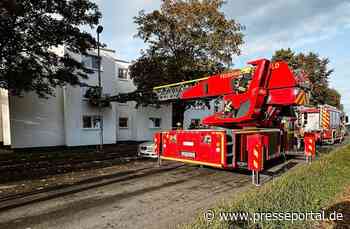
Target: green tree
186	39
29	29
318	71
333	98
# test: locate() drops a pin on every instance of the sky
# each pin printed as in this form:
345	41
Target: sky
321	26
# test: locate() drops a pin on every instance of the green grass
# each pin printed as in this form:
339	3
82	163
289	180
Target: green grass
304	189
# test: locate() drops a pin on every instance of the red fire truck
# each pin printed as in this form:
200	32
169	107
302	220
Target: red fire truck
325	121
255	125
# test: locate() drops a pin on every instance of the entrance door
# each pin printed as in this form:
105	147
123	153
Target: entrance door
124	126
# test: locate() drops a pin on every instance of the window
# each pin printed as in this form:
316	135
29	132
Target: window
123	73
90	61
123	122
91	121
94	62
123	103
218	104
195	123
155	122
216	108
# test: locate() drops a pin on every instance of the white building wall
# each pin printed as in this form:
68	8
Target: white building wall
1	122
122	85
139	128
57	121
126	133
76	106
193	113
37	122
145	131
5	133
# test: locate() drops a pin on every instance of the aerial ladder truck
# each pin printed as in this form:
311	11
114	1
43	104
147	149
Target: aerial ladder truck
255	125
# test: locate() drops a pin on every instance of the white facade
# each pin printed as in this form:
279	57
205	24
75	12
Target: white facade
198	114
5	138
68	119
139	124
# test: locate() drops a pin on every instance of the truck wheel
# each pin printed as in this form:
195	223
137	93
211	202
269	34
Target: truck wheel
321	141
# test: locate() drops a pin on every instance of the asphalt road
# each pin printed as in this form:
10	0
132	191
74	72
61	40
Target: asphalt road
161	200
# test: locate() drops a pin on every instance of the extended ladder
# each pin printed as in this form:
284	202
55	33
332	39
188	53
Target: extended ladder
173	91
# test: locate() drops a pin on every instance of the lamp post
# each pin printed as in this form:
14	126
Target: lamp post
99	31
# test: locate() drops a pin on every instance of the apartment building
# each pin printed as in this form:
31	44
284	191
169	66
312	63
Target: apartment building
69	119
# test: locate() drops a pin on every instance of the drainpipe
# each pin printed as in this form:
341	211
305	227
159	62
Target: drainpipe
99	31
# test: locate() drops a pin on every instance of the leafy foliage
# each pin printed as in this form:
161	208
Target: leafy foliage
95	97
30	30
318	71
333	98
187	39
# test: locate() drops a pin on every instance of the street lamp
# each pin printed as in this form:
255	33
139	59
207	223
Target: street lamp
99	31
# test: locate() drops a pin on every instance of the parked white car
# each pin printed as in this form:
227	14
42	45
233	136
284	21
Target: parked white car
147	149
